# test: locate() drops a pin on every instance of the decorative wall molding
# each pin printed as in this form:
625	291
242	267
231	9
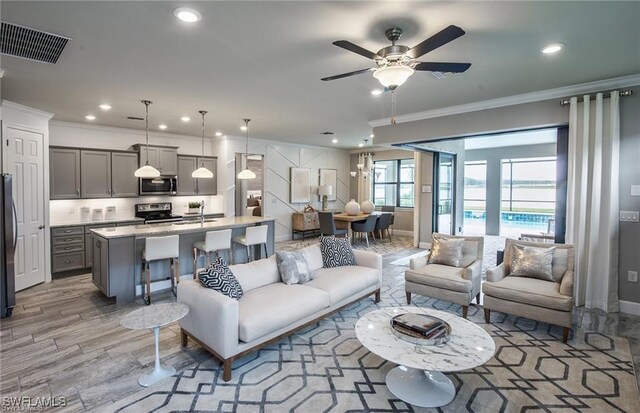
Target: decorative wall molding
26	109
557	93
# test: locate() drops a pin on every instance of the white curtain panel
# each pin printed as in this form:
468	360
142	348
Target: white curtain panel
592	199
364	180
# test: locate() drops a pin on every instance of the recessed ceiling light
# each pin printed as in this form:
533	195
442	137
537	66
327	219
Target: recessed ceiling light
334	140
218	133
552	48
376	92
224	137
187	15
90	117
372	135
162	126
185	119
361	144
243	128
105	106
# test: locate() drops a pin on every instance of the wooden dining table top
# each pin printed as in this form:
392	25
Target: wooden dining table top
354	218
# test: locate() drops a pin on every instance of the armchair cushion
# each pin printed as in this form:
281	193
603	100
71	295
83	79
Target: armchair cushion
446	251
440	276
472	249
563	256
532	262
530	291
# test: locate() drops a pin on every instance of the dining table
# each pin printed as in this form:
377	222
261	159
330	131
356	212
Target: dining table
343	220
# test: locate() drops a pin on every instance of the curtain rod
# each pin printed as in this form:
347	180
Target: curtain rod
629	92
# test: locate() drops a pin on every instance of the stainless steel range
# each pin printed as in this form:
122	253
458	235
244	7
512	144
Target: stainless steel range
156	213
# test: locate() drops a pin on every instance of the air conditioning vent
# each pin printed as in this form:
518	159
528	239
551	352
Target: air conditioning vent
134	118
327	133
20	41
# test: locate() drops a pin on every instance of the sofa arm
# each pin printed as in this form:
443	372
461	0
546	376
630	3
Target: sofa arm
212	317
496	274
369	259
418	262
473	270
566	285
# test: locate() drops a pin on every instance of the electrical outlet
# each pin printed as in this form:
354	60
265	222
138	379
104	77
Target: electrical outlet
629	216
632	276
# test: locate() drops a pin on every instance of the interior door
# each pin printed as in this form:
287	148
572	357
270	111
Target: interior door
444	210
25	160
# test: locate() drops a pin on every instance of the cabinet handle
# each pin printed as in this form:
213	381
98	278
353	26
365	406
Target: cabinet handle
77	192
68	240
68	261
68	231
68	248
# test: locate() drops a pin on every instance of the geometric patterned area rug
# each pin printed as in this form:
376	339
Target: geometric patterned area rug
325	368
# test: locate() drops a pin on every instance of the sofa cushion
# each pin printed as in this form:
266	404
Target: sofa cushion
271	307
342	283
336	252
256	274
530	291
440	276
218	277
314	256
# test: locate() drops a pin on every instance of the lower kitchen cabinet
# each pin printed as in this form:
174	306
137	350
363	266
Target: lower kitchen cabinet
67	249
107	260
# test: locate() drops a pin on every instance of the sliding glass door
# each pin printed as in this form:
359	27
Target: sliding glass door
444	199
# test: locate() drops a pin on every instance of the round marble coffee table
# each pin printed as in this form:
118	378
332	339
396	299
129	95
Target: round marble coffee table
419	378
153	317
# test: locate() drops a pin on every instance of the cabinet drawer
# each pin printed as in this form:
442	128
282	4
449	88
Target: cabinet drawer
67	262
67	248
67	231
70	239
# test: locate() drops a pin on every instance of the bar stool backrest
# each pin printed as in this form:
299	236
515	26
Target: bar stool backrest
160	248
218	240
256	235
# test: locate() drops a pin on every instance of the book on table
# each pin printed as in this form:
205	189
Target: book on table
423	325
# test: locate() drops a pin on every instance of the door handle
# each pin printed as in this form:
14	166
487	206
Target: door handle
15	228
40	226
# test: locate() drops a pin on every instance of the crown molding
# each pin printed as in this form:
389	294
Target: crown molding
557	93
26	109
114	129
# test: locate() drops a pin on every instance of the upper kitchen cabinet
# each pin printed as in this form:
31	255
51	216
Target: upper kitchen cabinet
123	181
208	186
163	158
64	173
186	184
96	174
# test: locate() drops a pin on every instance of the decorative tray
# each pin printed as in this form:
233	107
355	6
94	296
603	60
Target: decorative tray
440	335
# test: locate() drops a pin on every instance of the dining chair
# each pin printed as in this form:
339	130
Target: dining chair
392	209
328	225
383	223
364	227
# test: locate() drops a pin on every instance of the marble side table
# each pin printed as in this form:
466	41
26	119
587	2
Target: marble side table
153	317
419	378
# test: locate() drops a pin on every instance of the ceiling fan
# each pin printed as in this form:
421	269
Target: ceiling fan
396	63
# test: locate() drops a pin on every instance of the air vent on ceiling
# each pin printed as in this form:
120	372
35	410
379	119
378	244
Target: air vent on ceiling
31	44
327	133
133	118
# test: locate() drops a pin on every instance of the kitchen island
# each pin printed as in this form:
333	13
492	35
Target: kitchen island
117	252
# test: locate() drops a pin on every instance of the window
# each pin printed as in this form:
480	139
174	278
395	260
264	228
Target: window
475	197
393	183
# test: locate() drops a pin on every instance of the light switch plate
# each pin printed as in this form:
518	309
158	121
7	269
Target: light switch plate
633	276
426	189
629	216
635	190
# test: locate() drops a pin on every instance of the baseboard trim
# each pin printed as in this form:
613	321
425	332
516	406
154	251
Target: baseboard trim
629	307
424	245
401	232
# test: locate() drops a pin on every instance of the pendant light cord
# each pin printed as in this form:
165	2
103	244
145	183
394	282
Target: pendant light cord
146	125
393	107
246	148
202	112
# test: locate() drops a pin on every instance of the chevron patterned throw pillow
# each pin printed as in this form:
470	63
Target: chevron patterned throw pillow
336	252
219	277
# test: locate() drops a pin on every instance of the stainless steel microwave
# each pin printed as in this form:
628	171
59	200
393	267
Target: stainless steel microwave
165	185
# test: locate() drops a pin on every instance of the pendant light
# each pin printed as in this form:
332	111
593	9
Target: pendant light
202	172
246	173
147	171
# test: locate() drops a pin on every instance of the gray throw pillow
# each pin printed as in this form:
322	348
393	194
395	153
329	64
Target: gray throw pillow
533	262
446	251
293	267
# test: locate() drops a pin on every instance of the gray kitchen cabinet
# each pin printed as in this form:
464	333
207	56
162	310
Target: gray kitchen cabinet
168	161
96	174
186	184
100	269
208	186
89	241
151	153
123	182
67	249
64	173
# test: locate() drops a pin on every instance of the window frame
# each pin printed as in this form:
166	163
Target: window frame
398	183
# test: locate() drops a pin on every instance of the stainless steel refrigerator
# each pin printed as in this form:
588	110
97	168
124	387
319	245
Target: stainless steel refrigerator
8	238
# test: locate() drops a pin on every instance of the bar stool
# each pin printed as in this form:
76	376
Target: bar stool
253	236
215	241
160	248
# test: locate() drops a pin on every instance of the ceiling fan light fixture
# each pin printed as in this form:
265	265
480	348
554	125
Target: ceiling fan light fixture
393	76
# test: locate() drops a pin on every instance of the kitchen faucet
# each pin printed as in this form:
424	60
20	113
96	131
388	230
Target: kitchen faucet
202	211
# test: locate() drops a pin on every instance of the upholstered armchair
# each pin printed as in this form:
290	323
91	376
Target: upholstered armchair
456	284
541	300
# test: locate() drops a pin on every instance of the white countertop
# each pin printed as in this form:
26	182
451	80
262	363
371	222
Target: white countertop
179	227
101	222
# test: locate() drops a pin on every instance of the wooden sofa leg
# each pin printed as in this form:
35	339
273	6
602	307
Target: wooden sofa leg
184	338
227	364
377	299
487	316
465	309
565	334
408	297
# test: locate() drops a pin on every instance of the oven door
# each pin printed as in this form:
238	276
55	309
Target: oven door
165	185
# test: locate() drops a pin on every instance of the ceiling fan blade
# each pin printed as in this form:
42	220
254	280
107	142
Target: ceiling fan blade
357	72
345	44
443	67
441	38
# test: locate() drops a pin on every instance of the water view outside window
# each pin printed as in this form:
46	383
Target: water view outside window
475	197
393	183
528	198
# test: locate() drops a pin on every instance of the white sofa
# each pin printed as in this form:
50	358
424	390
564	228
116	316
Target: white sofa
269	309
